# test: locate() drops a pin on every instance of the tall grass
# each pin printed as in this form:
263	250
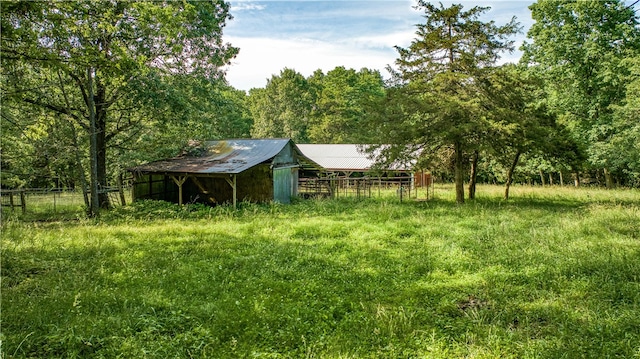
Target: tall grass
553	273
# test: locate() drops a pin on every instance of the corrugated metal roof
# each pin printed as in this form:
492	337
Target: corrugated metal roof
222	157
337	156
340	157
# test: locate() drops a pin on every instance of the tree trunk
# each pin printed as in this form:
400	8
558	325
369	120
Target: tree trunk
576	177
459	172
608	180
510	175
101	136
541	177
473	176
550	178
561	179
93	150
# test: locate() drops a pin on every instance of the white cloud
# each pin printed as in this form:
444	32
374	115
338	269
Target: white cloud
245	5
260	58
387	41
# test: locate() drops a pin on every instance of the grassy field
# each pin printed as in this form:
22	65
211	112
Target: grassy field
553	273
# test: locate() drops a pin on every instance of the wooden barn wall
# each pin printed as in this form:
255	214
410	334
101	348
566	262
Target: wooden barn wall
285	157
253	185
258	184
156	187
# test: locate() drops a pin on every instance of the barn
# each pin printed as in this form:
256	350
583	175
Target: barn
347	160
348	167
225	171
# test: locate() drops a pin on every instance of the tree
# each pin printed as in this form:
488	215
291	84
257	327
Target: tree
626	127
282	108
88	60
342	97
520	122
580	48
181	108
438	103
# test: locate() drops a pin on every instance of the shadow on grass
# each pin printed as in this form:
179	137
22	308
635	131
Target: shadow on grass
215	295
312	288
210	293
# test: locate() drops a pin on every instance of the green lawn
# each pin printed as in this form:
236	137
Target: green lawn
553	273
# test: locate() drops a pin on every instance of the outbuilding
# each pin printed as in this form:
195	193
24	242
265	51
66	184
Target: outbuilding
225	171
353	167
347	160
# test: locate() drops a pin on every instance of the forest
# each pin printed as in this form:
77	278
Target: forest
91	88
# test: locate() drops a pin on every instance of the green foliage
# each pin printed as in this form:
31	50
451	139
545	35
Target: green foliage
39	152
282	108
552	273
320	109
453	41
182	109
437	104
90	63
343	98
582	50
519	123
626	127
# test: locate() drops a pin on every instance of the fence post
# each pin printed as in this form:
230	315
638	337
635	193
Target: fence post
121	189
22	202
428	184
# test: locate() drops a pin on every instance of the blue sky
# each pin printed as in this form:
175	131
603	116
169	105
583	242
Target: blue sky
308	35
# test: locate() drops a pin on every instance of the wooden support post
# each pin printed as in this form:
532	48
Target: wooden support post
233	185
179	181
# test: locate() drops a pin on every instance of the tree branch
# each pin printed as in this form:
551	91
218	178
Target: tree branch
120	129
58	109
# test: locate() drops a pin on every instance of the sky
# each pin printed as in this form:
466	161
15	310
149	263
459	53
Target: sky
306	35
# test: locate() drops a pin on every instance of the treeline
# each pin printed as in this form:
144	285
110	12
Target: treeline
90	88
566	113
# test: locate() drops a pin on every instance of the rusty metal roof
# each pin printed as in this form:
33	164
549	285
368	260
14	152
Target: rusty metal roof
341	157
221	157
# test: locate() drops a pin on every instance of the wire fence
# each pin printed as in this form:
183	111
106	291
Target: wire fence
43	203
365	187
53	201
